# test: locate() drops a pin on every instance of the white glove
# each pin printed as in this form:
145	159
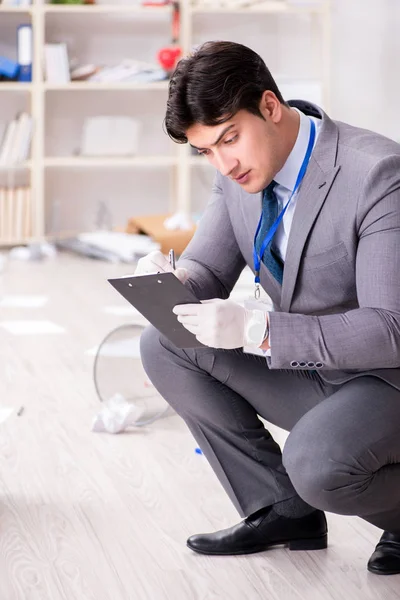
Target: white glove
156	262
216	323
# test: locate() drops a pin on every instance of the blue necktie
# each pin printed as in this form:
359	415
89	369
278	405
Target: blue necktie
269	215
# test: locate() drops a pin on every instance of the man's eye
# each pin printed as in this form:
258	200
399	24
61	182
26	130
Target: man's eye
231	140
203	152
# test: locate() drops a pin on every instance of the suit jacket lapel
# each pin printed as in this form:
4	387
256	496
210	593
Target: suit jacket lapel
314	189
309	202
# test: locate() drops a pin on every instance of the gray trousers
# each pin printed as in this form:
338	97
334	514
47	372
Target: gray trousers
343	451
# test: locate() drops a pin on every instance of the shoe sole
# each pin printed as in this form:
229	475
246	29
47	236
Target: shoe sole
378	572
320	543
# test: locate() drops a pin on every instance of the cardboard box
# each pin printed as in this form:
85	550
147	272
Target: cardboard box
153	226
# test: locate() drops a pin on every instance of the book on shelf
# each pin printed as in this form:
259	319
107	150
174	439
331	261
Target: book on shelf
57	63
15	213
16	141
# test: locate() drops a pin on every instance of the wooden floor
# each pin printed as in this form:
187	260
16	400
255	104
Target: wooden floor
92	516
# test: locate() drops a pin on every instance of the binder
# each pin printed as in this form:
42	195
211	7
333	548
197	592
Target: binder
8	68
24	52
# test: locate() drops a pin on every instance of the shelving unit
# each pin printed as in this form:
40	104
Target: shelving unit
165	174
98	8
93	86
272	7
15	87
84	163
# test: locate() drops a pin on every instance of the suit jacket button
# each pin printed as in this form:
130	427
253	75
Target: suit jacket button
319	365
311	365
302	364
294	363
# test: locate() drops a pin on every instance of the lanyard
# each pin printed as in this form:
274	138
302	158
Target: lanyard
257	258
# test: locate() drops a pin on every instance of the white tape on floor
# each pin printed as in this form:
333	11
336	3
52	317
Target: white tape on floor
23	301
31	327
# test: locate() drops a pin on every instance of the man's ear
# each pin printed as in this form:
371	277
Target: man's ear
270	107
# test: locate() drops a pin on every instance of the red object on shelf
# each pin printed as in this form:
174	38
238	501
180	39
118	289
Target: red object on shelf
168	57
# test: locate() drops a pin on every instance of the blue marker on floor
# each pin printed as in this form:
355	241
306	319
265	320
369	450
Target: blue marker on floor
198	451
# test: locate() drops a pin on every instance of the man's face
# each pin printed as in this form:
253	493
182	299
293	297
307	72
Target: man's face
246	148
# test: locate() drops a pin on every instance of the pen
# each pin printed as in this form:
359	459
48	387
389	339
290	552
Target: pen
172	258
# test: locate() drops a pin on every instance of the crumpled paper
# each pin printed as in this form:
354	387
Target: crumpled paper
116	415
33	251
179	220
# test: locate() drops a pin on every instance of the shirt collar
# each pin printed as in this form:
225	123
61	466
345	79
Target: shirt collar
287	176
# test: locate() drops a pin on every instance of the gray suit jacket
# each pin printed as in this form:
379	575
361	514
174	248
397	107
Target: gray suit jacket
338	308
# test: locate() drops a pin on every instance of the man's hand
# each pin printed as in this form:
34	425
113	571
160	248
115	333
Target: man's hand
156	262
216	323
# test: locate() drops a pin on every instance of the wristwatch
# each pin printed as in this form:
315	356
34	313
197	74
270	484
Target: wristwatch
257	328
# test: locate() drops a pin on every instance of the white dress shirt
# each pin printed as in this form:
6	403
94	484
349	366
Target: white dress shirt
286	181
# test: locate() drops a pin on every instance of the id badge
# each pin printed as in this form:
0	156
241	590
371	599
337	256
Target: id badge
263	303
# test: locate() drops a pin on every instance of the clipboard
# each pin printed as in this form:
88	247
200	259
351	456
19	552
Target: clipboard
154	296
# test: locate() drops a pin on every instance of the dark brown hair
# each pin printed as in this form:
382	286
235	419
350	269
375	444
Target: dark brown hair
213	84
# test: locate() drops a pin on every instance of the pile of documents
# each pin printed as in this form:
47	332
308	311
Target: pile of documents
111	246
233	4
130	70
249	4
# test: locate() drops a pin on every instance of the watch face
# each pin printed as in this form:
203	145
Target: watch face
255	332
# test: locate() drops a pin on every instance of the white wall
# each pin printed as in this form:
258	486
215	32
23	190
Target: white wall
365	64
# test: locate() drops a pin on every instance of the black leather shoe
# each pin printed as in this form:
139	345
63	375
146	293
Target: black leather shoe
386	558
262	530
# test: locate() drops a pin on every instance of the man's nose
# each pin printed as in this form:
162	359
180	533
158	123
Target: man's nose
226	165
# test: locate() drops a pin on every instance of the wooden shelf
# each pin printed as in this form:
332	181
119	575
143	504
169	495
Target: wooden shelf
109	162
8	243
17	167
87	86
104	8
16	9
270	7
15	87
